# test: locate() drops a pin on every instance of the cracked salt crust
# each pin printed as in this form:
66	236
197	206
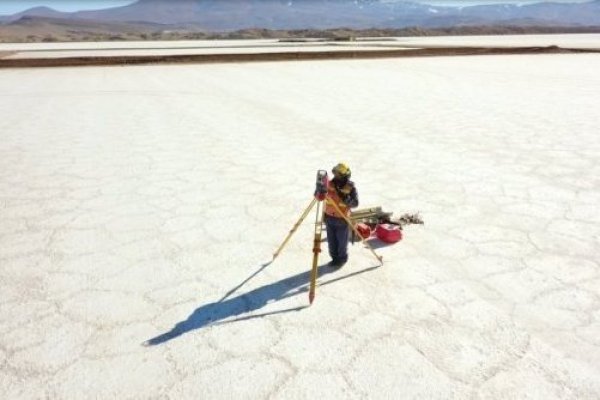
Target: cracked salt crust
134	200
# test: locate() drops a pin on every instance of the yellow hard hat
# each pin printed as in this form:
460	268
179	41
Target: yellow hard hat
342	169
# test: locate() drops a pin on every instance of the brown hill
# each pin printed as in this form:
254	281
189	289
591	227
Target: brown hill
41	29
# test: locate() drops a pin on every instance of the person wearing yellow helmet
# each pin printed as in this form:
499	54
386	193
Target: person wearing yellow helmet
343	192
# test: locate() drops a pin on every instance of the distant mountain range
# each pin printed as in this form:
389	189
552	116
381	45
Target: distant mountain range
229	15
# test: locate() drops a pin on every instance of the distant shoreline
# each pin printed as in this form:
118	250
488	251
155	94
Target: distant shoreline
282	56
34	30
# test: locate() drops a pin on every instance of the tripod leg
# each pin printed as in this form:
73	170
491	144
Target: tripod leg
351	225
316	251
302	217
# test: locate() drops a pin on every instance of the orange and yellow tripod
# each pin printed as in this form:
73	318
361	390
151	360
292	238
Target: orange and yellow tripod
320	200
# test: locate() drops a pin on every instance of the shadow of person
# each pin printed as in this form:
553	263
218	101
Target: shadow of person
217	312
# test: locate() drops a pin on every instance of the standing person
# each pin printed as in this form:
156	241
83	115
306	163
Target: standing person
343	192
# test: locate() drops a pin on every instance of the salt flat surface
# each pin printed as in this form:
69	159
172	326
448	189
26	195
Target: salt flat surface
88	49
134	202
576	41
61	50
141	45
192	51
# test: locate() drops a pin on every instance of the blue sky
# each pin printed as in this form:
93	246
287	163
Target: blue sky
14	6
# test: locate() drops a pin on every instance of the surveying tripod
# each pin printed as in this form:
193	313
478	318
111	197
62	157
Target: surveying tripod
321	199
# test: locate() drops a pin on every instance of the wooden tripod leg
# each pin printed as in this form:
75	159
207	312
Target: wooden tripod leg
316	251
351	225
302	217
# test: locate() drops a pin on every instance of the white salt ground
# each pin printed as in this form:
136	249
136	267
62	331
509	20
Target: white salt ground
576	41
133	201
149	48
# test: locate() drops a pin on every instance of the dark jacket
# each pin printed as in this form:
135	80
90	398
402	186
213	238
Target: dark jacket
346	191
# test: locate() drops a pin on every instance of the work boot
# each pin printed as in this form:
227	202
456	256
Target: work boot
336	263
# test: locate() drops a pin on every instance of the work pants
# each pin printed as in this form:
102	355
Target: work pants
338	233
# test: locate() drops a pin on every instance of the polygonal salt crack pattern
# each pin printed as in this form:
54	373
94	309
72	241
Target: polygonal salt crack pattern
134	202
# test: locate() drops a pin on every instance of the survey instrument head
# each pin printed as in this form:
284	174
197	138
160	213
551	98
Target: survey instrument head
322	185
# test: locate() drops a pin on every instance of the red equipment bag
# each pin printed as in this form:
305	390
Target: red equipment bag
388	233
364	230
